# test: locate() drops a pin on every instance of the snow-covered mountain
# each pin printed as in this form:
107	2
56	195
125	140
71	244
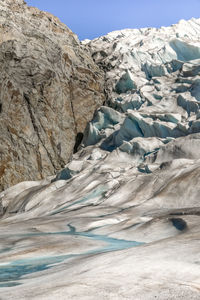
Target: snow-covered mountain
121	220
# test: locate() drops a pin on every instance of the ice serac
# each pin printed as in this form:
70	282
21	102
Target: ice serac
152	79
50	88
122	217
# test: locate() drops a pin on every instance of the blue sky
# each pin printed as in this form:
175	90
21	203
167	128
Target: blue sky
93	18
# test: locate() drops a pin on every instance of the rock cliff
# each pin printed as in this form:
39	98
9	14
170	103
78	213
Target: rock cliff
49	88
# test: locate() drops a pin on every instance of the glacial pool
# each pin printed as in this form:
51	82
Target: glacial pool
12	274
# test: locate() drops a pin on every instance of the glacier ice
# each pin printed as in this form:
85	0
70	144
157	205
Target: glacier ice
134	181
125	83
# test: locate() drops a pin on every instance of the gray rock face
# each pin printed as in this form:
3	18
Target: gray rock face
50	88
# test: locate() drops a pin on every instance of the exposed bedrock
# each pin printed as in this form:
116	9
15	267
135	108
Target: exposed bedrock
49	90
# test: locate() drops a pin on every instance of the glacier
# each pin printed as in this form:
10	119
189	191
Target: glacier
122	219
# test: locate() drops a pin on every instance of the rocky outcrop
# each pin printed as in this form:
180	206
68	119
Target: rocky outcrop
50	88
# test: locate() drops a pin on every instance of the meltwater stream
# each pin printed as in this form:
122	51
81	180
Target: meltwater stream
11	273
